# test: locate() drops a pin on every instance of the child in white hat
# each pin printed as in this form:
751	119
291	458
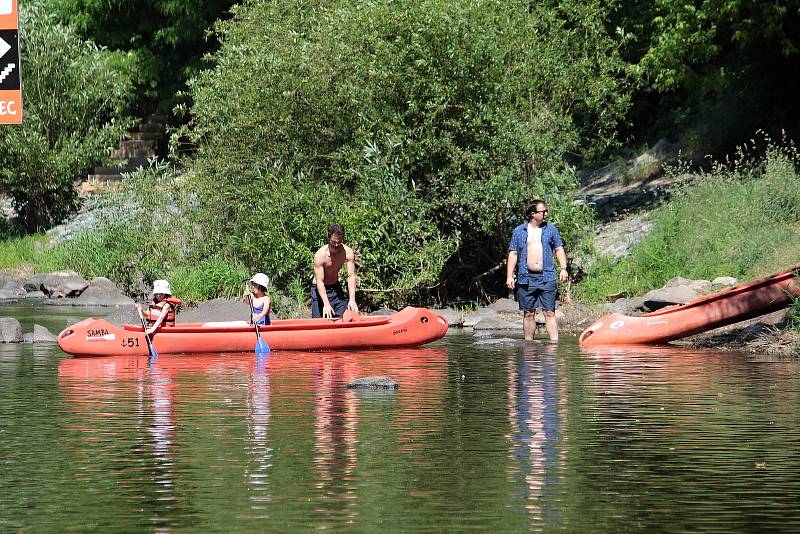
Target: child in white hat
162	308
261	302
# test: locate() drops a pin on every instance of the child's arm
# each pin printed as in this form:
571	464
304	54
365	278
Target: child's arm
164	311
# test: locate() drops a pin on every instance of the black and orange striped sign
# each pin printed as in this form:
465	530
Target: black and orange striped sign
10	79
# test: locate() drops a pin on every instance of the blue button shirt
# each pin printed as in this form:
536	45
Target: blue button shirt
551	240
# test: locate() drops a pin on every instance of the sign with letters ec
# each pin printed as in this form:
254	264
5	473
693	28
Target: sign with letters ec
10	79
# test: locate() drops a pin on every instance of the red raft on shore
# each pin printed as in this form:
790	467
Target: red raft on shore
699	315
410	327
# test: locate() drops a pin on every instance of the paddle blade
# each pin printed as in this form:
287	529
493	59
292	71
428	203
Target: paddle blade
262	347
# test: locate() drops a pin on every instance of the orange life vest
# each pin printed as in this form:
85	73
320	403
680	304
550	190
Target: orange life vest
154	312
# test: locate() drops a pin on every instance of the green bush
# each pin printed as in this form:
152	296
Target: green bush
75	99
169	36
424	127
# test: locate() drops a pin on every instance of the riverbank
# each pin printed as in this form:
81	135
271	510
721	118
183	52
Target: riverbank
498	323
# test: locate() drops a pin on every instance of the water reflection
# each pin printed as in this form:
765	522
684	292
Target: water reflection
535	420
259	449
198	417
507	439
701	433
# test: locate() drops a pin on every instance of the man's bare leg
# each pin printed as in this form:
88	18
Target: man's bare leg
551	324
529	324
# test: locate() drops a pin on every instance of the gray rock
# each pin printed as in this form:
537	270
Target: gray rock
496	341
123	314
6	294
373	382
34	295
504	306
27	337
10	330
13	285
616	238
482	334
42	335
5	278
481	313
756	329
497	323
726	281
454	317
59	284
383	311
701	286
216	310
667	296
102	292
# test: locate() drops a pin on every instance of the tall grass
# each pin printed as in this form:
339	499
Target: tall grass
23	254
740	219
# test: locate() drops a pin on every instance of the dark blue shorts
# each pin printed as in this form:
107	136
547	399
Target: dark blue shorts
335	297
537	293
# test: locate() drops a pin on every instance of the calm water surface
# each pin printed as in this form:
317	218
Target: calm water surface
504	439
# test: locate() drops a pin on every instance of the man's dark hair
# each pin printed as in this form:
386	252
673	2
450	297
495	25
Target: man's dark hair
532	207
336	229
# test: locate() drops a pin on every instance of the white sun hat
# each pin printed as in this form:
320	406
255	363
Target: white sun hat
261	279
162	286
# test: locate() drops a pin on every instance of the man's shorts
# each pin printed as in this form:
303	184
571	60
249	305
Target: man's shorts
537	293
335	297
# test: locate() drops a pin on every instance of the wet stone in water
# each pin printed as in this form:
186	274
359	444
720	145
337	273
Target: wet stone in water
373	382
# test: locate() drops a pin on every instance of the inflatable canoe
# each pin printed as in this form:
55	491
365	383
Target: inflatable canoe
699	315
410	327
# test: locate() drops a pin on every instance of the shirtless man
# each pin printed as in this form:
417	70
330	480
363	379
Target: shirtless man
533	244
327	294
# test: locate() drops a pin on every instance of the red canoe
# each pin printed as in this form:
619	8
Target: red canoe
699	315
410	327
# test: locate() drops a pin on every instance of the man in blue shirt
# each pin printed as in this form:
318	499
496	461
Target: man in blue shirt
533	245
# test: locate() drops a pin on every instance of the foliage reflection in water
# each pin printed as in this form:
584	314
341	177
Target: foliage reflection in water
520	437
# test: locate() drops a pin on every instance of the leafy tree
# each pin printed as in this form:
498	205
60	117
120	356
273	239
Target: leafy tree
75	98
422	125
723	68
169	36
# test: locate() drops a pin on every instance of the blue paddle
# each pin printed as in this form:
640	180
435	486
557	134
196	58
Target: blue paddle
150	347
261	345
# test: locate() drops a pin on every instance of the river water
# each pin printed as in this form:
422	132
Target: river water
505	439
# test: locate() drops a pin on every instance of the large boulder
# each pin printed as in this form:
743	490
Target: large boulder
726	281
383	311
216	310
701	286
5	278
10	330
668	296
60	284
8	296
102	292
42	335
454	318
504	305
499	322
478	315
11	289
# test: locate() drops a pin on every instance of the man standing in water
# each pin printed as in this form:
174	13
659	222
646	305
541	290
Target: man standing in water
533	244
327	294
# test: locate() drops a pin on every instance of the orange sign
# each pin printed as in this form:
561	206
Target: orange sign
10	79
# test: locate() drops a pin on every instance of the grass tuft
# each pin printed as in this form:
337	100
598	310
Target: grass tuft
740	219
